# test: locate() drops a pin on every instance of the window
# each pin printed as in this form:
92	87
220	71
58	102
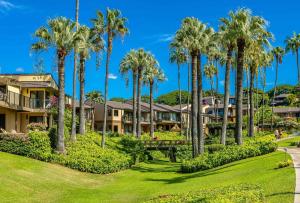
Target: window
116	128
109	112
116	113
36	119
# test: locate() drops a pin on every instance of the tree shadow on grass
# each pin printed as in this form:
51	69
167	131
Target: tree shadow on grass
280	193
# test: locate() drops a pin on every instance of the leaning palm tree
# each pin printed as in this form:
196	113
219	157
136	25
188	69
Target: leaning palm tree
94	97
179	57
114	26
87	42
73	128
278	54
293	44
60	35
151	75
246	28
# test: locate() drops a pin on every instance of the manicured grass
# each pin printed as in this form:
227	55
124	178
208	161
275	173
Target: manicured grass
23	179
289	142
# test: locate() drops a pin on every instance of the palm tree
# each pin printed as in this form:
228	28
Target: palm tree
245	28
73	128
179	57
94	97
151	74
114	26
60	35
278	54
87	41
210	71
228	43
293	44
130	62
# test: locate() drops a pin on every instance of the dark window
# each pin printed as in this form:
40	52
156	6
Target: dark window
36	119
116	113
116	128
109	112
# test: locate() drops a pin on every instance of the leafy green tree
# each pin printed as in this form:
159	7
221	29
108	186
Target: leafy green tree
60	35
172	98
293	44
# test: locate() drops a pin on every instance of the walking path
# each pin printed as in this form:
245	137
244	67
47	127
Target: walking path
295	154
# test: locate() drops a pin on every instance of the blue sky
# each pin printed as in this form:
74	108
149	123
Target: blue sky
152	25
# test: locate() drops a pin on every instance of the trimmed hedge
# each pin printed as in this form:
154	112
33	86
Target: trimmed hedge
233	194
87	155
227	155
35	144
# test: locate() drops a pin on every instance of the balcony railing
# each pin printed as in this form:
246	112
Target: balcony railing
16	99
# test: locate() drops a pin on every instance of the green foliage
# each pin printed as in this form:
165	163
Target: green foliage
291	99
118	99
35	145
172	98
228	155
214	148
53	135
36	126
134	147
287	124
233	194
283	89
87	155
283	164
184	152
164	136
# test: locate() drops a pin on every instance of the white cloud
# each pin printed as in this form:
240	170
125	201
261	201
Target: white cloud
222	82
112	76
166	38
20	70
7	6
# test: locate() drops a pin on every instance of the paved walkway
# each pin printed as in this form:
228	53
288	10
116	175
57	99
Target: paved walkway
295	154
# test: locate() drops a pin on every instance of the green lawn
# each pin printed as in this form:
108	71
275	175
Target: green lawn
289	142
23	179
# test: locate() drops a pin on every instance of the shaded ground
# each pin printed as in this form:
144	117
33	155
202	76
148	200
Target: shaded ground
26	179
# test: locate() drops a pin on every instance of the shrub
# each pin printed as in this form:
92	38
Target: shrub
133	147
35	145
184	152
37	126
53	135
227	155
284	164
233	194
214	148
87	155
164	136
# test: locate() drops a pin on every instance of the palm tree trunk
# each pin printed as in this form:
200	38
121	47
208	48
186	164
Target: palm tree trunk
61	101
134	76
188	103
248	101
297	59
81	105
151	111
256	101
251	122
180	104
274	93
239	105
139	113
217	91
93	119
263	98
194	106
226	96
200	106
109	49
73	128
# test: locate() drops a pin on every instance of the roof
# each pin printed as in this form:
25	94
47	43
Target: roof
287	110
119	105
166	107
282	96
86	106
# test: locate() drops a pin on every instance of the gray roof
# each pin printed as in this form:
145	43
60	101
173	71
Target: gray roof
287	110
119	105
36	84
282	96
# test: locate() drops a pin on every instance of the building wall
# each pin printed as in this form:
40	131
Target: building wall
11	119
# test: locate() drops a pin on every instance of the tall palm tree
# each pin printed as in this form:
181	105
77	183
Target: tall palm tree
73	128
94	97
114	26
152	74
179	57
246	28
210	71
87	42
130	62
228	43
278	54
60	35
293	44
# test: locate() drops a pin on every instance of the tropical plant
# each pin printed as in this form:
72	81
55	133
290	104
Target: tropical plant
94	97
87	42
73	130
151	75
278	54
178	56
113	27
293	44
210	71
60	35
